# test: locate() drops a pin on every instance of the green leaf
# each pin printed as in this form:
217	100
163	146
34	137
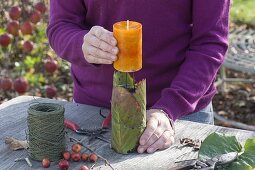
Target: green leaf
216	144
128	113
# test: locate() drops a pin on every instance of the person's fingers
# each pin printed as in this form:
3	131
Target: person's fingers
104	35
95	60
165	141
96	52
152	125
96	42
154	137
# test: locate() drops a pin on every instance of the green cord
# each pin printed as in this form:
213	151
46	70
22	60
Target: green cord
46	131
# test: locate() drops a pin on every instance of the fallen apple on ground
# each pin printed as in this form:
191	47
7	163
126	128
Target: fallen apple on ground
51	91
13	28
15	12
20	85
40	6
5	40
51	65
26	28
6	84
35	17
27	46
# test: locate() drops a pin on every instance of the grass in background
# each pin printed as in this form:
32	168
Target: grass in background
243	12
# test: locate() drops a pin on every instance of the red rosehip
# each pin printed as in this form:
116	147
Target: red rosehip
20	85
5	40
76	148
66	155
40	6
26	28
85	157
46	163
63	164
84	167
13	28
35	17
15	12
93	157
76	157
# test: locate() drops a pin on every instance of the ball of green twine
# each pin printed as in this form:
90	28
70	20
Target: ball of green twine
46	131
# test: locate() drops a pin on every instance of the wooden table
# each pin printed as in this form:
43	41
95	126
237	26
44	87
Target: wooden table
13	116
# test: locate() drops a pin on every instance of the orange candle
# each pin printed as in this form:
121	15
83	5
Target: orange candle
129	41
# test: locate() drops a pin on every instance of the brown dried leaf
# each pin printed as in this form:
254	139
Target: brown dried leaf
16	144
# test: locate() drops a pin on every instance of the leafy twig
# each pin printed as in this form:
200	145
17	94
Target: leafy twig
91	150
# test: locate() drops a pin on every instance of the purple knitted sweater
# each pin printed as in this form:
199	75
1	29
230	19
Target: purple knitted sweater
184	43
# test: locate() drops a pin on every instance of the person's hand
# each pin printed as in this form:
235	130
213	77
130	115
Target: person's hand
159	133
99	46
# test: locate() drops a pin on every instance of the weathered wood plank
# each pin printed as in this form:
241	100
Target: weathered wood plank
13	116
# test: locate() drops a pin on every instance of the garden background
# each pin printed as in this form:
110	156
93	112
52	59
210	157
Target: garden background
28	66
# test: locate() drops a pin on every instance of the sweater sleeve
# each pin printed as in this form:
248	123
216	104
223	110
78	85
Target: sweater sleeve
208	45
67	27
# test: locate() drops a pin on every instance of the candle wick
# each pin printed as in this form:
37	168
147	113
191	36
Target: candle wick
127	24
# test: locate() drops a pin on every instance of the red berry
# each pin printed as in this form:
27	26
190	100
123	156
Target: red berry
20	85
76	157
63	164
84	157
27	46
93	157
35	17
13	28
51	65
5	40
15	12
66	155
6	83
46	163
26	28
76	148
84	167
40	6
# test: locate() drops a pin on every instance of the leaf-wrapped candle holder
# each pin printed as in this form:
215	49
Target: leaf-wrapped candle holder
128	112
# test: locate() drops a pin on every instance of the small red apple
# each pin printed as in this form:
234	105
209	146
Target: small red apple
15	12
66	155
40	6
26	28
13	28
6	83
20	85
5	40
27	46
76	148
63	164
76	157
85	157
51	91
35	17
93	157
51	65
46	163
84	167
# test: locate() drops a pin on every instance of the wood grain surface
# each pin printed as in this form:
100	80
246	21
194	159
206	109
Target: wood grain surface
13	115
